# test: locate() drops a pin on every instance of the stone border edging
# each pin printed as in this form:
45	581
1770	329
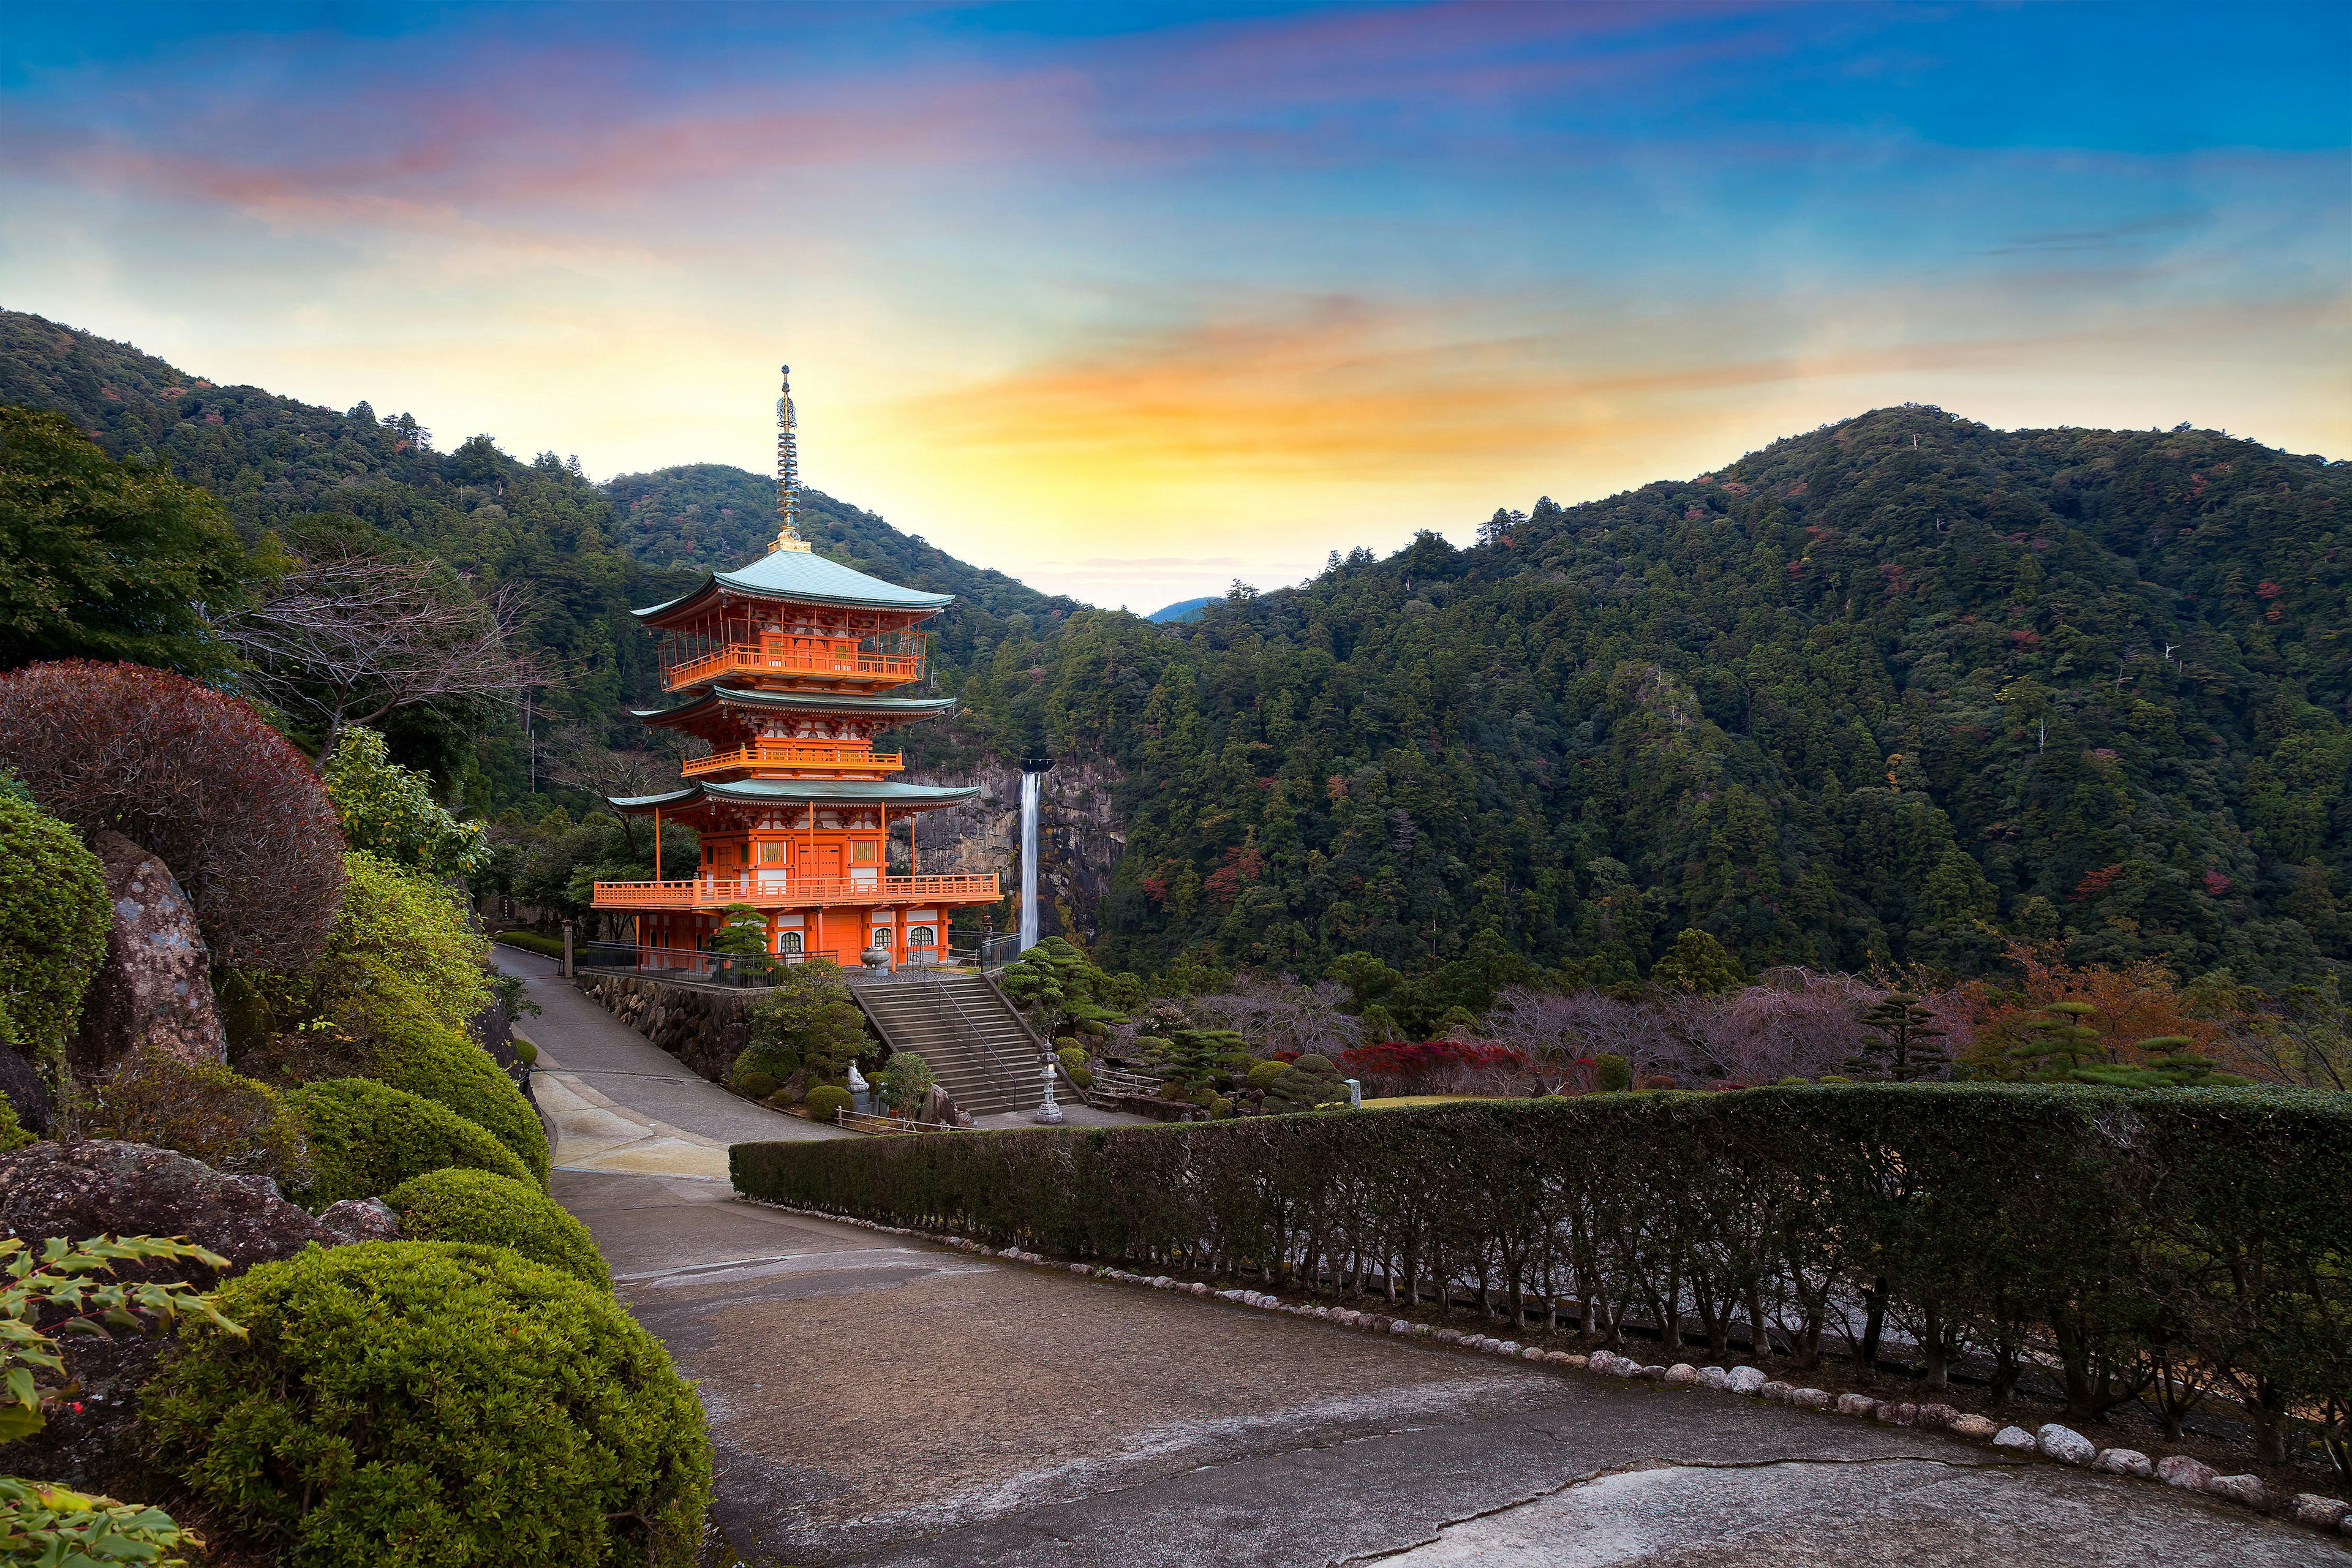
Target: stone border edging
2051	1441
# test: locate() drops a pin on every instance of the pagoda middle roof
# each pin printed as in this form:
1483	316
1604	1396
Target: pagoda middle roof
804	577
796	791
719	697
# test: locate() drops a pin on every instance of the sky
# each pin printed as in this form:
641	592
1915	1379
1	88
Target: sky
1134	301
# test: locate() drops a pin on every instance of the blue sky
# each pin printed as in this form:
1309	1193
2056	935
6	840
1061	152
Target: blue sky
1130	301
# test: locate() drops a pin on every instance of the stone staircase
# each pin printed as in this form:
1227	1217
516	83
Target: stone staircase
963	1025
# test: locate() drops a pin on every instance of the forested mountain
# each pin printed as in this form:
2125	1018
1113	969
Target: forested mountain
1895	690
1885	691
588	552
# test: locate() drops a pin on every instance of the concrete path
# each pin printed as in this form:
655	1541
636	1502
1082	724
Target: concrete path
620	1102
874	1400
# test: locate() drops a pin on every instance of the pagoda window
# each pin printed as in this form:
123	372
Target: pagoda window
862	853
772	852
787	941
882	936
922	936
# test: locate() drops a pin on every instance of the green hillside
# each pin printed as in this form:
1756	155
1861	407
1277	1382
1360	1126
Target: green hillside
589	553
1885	691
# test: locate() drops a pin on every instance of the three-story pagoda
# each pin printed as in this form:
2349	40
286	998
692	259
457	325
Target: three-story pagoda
788	668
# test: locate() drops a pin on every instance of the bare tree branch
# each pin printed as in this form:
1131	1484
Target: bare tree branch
350	637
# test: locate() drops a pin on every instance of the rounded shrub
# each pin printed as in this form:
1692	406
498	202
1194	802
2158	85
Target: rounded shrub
1072	1057
1263	1075
476	1206
774	1058
54	915
781	1099
1084	1077
1612	1074
201	1110
824	1099
444	1067
755	1083
406	1404
366	1138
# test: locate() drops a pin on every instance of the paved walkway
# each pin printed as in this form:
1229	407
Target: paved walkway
873	1400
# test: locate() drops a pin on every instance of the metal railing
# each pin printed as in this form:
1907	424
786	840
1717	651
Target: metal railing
762	889
797	754
997	952
751	970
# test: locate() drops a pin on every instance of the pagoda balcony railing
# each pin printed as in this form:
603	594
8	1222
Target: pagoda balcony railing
779	656
798	754
770	889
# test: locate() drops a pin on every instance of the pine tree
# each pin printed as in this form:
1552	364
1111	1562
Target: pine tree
2062	1049
1905	1048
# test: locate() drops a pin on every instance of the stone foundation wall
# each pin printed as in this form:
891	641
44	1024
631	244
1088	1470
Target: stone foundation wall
706	1030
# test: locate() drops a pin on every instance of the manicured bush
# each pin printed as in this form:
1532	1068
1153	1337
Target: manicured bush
1612	1074
198	780
402	945
811	1014
53	917
1083	1077
1263	1075
446	1066
904	1080
531	941
202	1110
429	1404
777	1060
492	1211
2117	1227
755	1083
1073	1057
366	1138
1311	1081
824	1099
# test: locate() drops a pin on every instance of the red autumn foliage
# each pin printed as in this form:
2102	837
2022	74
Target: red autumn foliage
195	778
2097	882
1404	1067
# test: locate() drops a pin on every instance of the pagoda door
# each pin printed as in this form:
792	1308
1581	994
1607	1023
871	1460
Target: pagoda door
825	860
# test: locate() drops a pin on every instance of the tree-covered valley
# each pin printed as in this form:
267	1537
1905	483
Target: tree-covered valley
1889	692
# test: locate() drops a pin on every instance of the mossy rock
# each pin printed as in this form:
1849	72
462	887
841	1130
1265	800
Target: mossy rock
492	1211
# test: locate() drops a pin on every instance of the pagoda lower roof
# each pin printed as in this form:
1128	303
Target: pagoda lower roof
804	577
721	697
798	792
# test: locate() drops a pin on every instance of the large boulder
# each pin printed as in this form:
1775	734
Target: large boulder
102	1187
25	1092
155	987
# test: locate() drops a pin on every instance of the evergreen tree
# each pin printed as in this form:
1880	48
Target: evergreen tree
1905	1048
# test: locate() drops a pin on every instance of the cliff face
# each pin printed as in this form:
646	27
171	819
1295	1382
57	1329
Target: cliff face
1078	839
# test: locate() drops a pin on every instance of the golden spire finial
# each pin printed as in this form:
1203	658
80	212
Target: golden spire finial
788	473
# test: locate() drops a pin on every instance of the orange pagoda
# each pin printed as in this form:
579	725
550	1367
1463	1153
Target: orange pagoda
787	669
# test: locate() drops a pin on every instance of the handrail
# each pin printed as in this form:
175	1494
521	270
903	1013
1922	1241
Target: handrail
893	669
797	753
757	890
940	990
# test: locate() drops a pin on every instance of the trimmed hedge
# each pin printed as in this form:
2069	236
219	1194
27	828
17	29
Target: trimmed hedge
446	1066
366	1138
531	941
426	1404
2118	1230
476	1206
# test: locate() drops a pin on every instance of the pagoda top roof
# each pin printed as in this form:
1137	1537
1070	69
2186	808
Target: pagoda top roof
798	792
798	702
799	576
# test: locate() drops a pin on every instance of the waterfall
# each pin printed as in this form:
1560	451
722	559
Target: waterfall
1029	860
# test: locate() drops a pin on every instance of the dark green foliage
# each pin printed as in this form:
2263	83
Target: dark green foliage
1612	1074
427	1404
1845	699
771	1058
1199	1058
1905	1048
824	1099
755	1083
2059	1046
1061	989
53	917
1310	1082
1263	1075
1696	963
531	941
366	1138
2216	1227
102	560
494	1211
201	1110
444	1066
810	1013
